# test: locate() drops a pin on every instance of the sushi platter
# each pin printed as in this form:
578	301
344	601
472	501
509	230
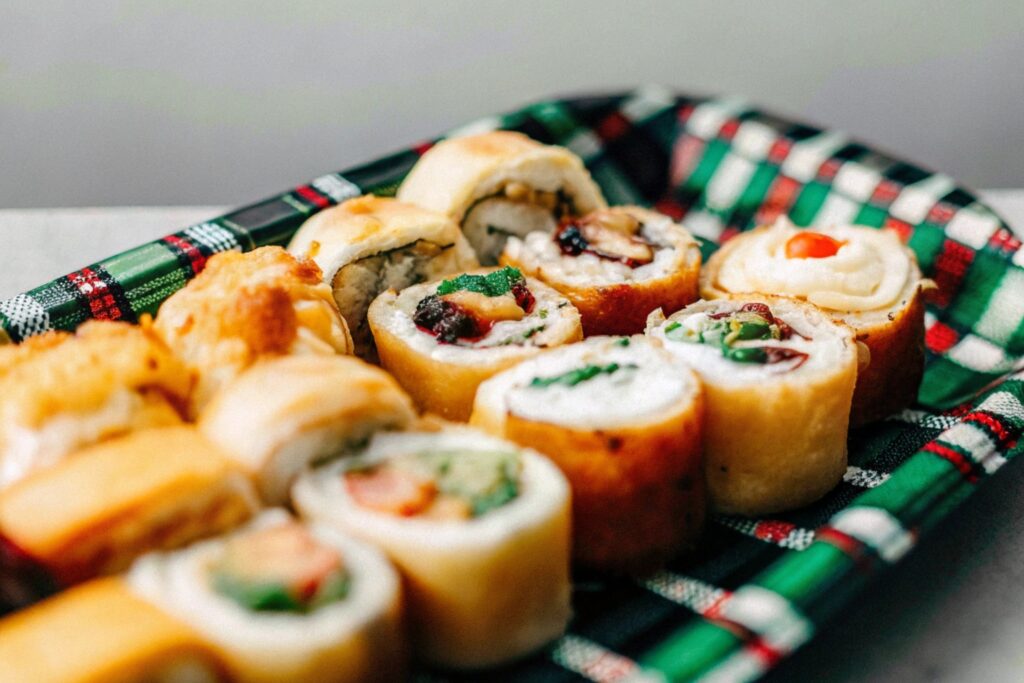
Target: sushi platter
631	387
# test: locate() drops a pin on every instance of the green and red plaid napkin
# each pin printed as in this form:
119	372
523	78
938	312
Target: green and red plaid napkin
760	588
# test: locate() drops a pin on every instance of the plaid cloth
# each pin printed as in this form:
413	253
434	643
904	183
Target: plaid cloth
760	588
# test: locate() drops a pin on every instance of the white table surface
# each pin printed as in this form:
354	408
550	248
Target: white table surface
953	610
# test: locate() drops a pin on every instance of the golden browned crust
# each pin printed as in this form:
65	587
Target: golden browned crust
96	511
637	492
62	373
444	388
245	306
621	308
100	631
892	378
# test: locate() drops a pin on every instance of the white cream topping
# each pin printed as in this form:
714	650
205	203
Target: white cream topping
869	271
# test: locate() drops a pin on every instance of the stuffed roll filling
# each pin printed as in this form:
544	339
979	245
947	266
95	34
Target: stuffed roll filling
280	569
437	484
513	211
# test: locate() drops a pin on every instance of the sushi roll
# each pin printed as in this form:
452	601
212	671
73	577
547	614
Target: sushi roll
478	527
623	420
778	377
60	392
370	244
499	184
862	276
98	510
284	414
283	600
243	307
102	631
440	340
615	265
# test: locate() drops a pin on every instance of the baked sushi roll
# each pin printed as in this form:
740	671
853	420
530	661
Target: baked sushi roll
862	276
102	631
368	245
282	600
499	184
284	414
615	265
623	419
60	392
440	340
98	510
778	378
478	527
243	307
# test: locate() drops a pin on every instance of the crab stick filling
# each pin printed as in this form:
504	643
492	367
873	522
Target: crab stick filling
465	308
280	569
437	484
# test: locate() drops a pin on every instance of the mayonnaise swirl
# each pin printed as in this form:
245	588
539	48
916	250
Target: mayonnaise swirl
869	271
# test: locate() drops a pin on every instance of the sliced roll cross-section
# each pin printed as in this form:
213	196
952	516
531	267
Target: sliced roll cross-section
441	339
478	526
778	377
623	419
285	414
499	184
371	244
862	276
244	307
61	392
616	265
284	600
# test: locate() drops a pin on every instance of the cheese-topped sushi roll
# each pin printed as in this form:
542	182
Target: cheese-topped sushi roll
616	265
478	527
284	414
98	510
282	600
862	276
368	245
243	307
778	377
623	419
499	184
440	340
60	392
102	631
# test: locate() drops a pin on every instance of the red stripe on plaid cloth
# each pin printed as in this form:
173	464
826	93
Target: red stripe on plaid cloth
422	148
941	213
828	170
765	652
780	197
902	229
312	196
101	301
1004	241
613	126
961	462
779	150
853	548
885	193
993	426
940	337
950	268
671	208
728	130
686	155
684	112
191	251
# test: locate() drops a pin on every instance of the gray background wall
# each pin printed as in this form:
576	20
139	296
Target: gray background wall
196	101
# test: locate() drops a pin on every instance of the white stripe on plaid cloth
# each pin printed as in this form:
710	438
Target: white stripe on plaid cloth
598	663
707	118
214	237
27	316
699	596
864	478
335	186
915	201
646	102
875	528
926	419
808	155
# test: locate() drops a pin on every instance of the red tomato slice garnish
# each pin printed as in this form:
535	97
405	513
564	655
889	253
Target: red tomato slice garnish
387	489
807	244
